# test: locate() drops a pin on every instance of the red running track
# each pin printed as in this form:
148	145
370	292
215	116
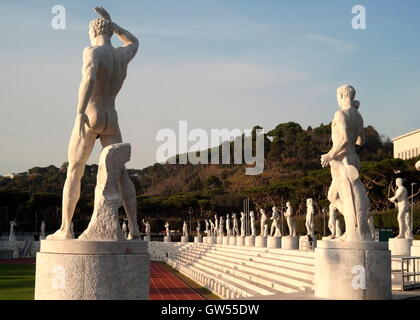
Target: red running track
164	284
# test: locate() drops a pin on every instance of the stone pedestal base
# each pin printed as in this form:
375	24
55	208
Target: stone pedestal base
226	240
274	242
212	240
147	238
305	244
353	270
167	238
400	246
198	239
219	239
290	243
250	241
184	239
205	239
92	270
415	248
261	242
240	241
232	241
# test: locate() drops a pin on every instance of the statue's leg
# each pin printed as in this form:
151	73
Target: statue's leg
79	151
409	231
401	223
128	192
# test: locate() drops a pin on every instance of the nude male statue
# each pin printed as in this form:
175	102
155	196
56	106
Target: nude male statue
347	192
404	219
103	73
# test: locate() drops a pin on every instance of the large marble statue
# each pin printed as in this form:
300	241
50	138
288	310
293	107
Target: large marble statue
221	231
212	229
124	230
146	227
235	225
208	233
347	192
167	231
252	222
103	73
184	229
309	222
228	230
289	219
275	225
263	223
12	235
198	229
243	224
216	225
404	219
333	213
42	233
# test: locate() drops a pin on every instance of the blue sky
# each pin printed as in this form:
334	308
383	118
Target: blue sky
218	64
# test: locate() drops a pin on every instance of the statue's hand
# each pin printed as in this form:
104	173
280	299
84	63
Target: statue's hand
82	120
103	13
325	160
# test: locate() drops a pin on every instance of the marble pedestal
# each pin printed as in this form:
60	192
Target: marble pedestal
415	248
232	240
305	244
211	240
250	241
167	239
198	239
261	242
184	239
274	242
240	241
147	238
219	239
290	243
226	240
92	270
205	239
353	270
400	246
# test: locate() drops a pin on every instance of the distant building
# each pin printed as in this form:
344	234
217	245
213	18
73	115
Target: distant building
407	146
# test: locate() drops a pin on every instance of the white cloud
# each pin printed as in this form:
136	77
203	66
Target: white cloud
339	45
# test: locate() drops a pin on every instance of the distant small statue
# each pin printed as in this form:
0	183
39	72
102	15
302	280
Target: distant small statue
235	225
263	223
275	225
42	234
184	229
309	222
371	225
333	212
207	228
124	230
404	219
198	229
252	218
147	227
242	224
417	165
289	219
221	231
212	229
228	230
167	228
12	235
216	225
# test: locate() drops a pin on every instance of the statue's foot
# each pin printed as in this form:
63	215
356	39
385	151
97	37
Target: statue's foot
61	235
331	236
133	235
400	236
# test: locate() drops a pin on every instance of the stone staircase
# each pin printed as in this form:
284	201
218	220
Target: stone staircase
241	272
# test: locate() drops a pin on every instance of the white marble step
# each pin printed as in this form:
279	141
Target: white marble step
252	288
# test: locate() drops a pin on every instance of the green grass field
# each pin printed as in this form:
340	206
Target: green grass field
17	281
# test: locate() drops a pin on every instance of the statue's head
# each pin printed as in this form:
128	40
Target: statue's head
346	93
100	26
288	204
262	210
399	182
309	201
274	209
